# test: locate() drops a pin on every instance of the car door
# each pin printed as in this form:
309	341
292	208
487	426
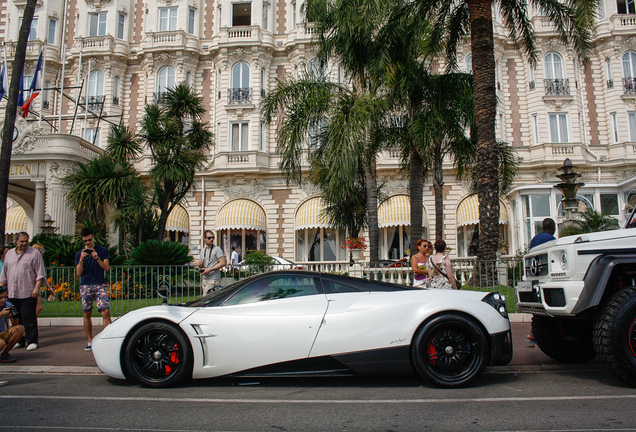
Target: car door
273	319
359	320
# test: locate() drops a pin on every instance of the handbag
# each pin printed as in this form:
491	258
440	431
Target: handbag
458	283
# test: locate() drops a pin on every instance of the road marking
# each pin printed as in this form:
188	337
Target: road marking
323	401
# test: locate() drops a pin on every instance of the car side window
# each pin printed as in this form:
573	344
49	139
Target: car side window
332	287
274	288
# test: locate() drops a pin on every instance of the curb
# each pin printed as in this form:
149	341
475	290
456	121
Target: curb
70	370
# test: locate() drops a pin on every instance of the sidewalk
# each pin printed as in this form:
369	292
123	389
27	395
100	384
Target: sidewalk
61	350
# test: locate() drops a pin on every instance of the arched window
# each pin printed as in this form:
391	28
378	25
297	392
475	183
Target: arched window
95	91
95	84
316	69
469	63
240	91
553	66
555	82
165	81
629	64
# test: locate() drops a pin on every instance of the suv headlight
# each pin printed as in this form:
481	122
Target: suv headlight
564	260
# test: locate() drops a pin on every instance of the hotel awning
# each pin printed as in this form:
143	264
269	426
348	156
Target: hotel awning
396	211
178	220
309	215
241	214
16	220
468	212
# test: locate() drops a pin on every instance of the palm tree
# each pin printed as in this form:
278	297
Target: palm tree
11	108
178	140
588	221
342	119
451	21
96	185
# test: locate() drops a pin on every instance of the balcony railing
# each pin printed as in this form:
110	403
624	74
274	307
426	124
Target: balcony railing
239	96
557	87
115	100
532	85
610	83
95	102
629	85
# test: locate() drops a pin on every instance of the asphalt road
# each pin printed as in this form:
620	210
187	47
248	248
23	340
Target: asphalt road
585	398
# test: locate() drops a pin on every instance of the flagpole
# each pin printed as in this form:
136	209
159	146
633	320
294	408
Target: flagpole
43	82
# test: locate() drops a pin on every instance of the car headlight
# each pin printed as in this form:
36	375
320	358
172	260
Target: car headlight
498	302
564	260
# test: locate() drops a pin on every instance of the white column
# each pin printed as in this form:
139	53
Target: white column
38	205
57	207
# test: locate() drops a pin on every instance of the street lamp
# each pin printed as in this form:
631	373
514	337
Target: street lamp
47	224
569	187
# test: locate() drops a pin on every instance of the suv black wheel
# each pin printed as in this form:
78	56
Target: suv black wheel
450	351
158	355
564	340
615	335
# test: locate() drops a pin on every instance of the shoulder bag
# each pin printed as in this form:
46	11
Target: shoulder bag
458	283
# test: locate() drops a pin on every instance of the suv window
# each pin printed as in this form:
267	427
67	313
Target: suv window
274	288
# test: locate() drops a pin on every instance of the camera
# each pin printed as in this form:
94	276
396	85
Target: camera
14	311
88	251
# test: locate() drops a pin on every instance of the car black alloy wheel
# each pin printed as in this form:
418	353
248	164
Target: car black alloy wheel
615	335
450	351
158	355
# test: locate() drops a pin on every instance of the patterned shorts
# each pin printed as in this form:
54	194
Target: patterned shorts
97	293
5	335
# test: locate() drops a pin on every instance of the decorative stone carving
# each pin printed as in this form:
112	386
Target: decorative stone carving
59	170
27	136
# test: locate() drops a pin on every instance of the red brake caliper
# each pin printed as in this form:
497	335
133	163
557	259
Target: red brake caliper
432	353
174	359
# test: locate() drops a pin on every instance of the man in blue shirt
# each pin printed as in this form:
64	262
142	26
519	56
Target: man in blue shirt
90	264
548	233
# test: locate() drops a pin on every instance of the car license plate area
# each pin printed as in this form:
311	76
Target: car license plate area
524	286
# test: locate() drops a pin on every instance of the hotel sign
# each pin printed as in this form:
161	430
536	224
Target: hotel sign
21	170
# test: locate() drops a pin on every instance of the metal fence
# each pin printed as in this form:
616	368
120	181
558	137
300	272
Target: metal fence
133	287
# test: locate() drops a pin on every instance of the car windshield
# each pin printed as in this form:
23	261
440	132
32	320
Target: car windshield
211	297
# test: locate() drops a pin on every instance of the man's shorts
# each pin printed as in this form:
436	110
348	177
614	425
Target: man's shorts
209	285
5	335
97	293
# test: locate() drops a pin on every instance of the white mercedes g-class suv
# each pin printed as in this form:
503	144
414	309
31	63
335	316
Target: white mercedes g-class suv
581	291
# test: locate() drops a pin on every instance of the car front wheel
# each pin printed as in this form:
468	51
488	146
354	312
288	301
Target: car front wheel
158	355
615	335
450	351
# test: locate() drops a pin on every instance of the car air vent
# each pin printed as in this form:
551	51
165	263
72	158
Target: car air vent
537	265
529	297
554	297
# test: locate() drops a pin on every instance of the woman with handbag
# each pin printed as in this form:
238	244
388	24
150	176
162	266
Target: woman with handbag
419	264
441	269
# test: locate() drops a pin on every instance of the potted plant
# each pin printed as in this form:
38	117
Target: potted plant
356	245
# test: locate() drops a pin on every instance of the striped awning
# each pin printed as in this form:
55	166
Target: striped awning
16	220
309	215
396	211
178	220
240	214
468	212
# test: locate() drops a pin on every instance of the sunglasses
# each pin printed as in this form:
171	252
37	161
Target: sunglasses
87	241
210	238
427	246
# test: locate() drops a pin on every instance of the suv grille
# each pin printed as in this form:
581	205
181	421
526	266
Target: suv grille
554	297
537	265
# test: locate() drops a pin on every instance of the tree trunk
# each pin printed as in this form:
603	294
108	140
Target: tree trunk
372	203
416	186
11	108
438	187
482	46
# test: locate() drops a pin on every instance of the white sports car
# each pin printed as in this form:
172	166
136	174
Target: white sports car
298	323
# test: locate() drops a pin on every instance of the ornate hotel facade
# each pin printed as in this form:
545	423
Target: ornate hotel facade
114	56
